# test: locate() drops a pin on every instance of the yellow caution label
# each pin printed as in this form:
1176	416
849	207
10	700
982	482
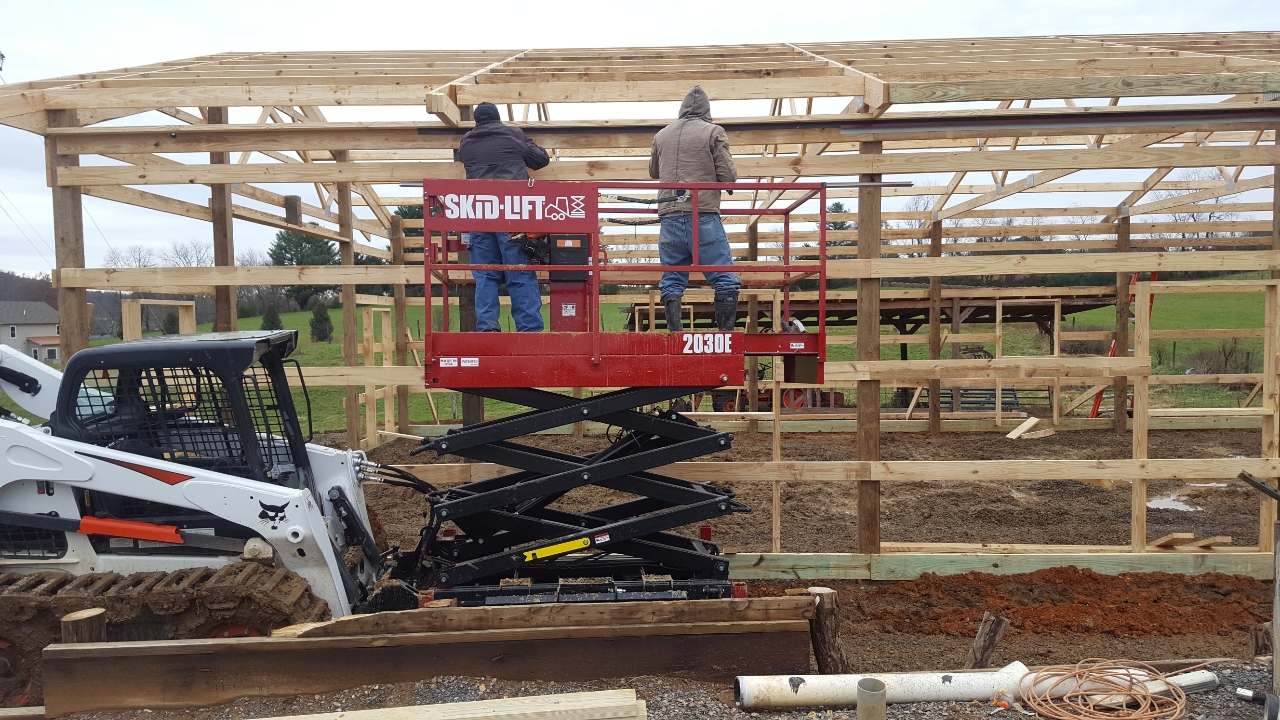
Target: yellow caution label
557	549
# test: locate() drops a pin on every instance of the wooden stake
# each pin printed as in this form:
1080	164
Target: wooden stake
1260	640
990	631
85	626
824	632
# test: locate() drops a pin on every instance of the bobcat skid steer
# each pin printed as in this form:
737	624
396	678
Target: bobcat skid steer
174	486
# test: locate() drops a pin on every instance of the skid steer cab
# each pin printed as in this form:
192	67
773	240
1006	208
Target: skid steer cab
182	451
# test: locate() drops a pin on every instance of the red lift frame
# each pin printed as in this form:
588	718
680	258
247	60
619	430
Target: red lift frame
595	358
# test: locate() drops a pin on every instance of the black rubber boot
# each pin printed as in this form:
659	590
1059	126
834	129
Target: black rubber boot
726	312
671	307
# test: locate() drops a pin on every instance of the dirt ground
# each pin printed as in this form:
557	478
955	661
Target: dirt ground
1059	616
821	517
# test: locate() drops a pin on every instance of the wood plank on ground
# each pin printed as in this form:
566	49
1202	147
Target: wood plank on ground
600	705
1025	426
1211	542
454	619
189	673
1174	540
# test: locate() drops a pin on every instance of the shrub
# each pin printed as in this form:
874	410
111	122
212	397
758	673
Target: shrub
321	324
170	324
271	319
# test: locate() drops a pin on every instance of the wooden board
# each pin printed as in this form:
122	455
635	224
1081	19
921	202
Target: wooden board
602	705
453	619
908	566
190	673
1174	540
1019	431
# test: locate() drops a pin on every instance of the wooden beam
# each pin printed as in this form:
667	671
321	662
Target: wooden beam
935	330
455	619
914	372
188	673
784	167
1141	400
1084	87
440	105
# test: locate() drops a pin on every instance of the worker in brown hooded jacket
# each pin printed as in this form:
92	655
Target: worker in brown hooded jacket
695	150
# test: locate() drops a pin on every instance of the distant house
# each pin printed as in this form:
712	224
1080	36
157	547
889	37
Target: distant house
30	327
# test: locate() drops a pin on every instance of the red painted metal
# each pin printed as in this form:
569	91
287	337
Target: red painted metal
577	353
130	529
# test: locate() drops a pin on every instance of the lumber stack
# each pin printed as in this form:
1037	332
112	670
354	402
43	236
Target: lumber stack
714	640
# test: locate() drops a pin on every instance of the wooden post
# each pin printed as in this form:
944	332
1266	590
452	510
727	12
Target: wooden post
130	319
990	631
293	209
1120	388
999	353
68	239
1141	348
1275	610
370	390
85	626
224	251
753	241
346	228
390	393
753	363
869	350
401	324
955	348
935	330
187	318
824	633
1271	402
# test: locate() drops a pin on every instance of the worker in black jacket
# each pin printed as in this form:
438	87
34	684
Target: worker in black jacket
494	151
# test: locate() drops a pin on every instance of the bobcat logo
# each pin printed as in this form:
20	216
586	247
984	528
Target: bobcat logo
272	514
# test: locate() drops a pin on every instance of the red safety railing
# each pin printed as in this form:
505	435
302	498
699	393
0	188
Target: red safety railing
455	206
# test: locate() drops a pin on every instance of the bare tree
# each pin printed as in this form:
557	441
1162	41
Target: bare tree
188	253
134	256
257	298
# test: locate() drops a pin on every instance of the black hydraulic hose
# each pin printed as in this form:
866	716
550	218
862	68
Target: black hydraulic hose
21	380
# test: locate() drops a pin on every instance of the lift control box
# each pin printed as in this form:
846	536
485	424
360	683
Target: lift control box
569	287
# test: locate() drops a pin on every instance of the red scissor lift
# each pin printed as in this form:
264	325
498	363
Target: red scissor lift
513	546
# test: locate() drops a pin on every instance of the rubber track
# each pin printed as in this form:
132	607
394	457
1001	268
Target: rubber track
189	603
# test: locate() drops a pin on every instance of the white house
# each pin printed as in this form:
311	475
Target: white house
31	327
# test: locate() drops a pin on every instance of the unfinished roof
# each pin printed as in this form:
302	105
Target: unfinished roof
880	73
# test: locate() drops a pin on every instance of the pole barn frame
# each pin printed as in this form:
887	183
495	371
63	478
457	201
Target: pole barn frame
1171	102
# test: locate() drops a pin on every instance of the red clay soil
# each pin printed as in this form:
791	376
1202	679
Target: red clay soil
1057	600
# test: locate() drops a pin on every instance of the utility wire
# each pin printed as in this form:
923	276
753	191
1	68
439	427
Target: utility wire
24	234
95	225
28	222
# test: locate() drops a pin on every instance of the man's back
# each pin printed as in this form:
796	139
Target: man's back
692	149
494	151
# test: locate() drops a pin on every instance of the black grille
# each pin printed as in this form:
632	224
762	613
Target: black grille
268	422
31	543
186	415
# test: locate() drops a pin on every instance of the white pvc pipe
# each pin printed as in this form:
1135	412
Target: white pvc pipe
766	691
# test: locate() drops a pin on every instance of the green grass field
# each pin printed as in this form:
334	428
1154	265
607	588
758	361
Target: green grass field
1208	311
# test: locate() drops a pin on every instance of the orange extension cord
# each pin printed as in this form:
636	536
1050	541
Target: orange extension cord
1104	678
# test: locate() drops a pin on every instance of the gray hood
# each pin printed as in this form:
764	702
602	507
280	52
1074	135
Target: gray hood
696	104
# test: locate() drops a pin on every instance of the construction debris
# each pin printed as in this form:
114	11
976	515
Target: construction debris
603	705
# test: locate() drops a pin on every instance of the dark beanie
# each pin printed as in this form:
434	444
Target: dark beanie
486	112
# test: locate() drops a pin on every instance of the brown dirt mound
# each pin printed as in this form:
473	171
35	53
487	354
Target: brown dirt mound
1057	600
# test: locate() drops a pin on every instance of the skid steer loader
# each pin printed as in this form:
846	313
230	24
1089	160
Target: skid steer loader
173	485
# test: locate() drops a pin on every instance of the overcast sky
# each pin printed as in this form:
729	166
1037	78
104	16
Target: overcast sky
48	39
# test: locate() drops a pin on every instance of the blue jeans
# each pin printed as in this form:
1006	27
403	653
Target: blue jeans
674	248
522	285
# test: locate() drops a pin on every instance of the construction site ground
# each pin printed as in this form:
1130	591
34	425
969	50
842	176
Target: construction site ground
1059	616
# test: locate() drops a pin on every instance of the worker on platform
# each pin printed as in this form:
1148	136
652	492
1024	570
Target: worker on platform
494	151
693	149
